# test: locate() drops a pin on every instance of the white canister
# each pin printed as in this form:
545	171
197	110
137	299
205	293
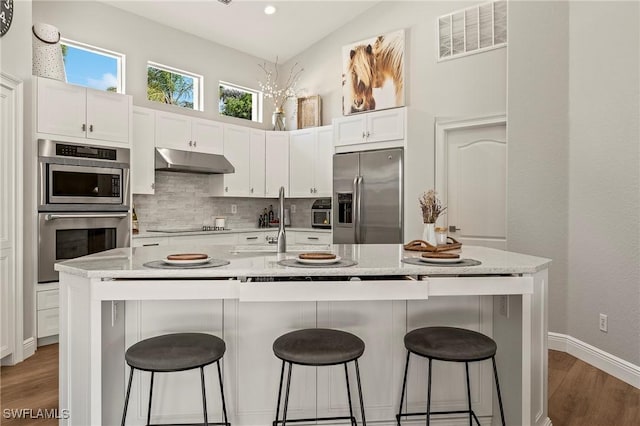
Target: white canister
219	222
47	52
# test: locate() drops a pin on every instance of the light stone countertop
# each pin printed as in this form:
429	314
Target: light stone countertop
148	234
373	259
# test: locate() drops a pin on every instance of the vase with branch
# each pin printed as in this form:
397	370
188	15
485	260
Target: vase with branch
279	94
431	208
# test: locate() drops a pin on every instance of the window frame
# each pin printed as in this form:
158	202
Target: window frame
198	84
257	98
119	57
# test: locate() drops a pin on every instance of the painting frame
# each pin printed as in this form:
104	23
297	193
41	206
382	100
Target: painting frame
309	112
373	73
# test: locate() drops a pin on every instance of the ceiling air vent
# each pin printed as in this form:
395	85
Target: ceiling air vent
472	30
225	1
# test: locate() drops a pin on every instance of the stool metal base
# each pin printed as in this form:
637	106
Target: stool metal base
204	401
429	413
350	417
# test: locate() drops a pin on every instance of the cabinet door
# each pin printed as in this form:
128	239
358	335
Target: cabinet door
108	116
323	170
150	242
301	162
257	163
237	145
207	136
173	131
277	163
143	174
61	108
386	125
349	130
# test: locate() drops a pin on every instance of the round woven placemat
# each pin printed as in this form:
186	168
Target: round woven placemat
213	263
342	263
463	262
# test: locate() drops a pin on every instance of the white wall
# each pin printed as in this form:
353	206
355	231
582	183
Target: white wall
538	151
142	40
604	175
15	59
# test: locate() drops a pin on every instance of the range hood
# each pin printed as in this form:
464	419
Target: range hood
174	160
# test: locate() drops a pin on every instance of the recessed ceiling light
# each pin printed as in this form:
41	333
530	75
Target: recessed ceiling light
270	10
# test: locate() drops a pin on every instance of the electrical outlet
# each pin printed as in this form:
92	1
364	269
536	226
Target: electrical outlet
503	306
293	208
234	209
604	326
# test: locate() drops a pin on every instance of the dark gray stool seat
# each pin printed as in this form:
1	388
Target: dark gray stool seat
176	352
318	346
450	344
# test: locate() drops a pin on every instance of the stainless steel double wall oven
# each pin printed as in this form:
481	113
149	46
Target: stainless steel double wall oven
83	202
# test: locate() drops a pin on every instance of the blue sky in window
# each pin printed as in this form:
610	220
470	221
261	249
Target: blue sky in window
90	69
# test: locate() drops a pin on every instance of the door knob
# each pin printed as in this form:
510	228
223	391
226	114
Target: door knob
453	228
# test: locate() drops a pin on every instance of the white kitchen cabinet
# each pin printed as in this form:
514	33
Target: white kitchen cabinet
188	134
259	237
237	149
223	239
276	163
257	163
311	238
377	126
47	309
81	113
150	242
143	173
310	162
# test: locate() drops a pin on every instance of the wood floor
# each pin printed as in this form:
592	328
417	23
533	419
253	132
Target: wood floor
579	394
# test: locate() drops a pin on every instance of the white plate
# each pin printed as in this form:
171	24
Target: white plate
319	261
186	262
438	260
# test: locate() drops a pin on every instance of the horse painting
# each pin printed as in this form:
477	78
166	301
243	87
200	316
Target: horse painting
373	75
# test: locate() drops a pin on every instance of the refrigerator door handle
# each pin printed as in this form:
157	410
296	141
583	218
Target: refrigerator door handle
358	207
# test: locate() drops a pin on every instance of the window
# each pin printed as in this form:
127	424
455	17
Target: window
173	86
239	102
92	66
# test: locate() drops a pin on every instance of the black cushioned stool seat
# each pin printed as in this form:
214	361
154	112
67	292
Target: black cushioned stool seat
176	352
449	344
318	347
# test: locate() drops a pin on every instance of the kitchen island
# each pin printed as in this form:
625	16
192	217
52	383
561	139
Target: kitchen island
110	300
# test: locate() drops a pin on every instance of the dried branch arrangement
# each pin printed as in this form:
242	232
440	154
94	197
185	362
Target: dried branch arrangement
271	89
431	206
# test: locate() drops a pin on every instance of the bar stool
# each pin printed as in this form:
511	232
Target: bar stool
172	353
318	347
454	345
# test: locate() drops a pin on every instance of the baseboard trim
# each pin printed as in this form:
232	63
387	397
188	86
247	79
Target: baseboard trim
611	364
28	347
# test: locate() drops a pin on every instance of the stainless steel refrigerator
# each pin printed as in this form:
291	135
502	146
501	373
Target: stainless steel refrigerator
368	197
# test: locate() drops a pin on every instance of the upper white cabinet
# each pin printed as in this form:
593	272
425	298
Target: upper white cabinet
143	151
257	163
237	149
377	126
79	113
310	162
188	134
276	163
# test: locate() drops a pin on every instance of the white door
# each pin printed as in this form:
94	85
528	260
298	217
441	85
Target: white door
207	136
472	167
237	145
108	116
301	162
323	169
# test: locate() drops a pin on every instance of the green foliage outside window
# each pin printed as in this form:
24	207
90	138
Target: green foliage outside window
169	88
235	103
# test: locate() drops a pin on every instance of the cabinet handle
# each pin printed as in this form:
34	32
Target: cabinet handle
84	127
311	190
363	135
194	143
226	189
150	245
315	191
368	134
190	143
252	238
251	190
313	238
91	127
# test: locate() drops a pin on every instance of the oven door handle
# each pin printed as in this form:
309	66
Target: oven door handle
86	216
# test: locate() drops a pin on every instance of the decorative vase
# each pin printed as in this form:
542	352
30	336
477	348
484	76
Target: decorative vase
47	58
278	119
429	233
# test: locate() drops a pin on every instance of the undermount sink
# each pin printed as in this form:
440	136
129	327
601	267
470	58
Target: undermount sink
273	248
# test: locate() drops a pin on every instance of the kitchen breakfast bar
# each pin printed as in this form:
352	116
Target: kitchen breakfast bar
111	300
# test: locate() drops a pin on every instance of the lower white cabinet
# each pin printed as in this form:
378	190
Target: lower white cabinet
205	239
47	302
308	237
149	242
260	237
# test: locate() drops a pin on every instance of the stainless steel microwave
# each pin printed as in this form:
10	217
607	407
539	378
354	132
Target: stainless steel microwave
73	177
321	213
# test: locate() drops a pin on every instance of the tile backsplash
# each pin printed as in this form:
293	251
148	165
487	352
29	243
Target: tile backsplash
182	201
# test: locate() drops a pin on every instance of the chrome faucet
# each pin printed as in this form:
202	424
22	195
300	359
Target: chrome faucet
282	238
